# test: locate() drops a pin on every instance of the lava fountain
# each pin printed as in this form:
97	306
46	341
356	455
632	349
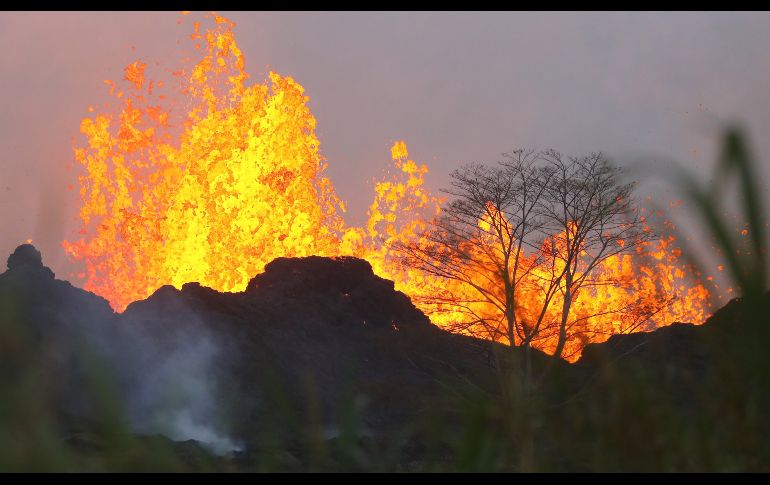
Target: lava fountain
204	177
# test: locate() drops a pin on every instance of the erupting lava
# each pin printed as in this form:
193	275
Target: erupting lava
212	188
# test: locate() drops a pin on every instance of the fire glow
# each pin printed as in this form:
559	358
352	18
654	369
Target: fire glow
212	188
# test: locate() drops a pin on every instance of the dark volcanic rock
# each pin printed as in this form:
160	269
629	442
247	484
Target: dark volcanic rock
66	330
683	347
676	344
319	330
348	282
682	364
45	302
306	340
317	342
27	257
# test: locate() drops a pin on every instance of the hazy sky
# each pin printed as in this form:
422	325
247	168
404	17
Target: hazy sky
457	87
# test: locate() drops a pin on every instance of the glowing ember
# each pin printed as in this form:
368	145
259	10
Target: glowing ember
212	189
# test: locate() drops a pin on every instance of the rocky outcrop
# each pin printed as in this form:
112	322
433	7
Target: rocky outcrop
317	331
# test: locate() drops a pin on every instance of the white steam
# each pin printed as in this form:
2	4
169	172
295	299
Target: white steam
174	391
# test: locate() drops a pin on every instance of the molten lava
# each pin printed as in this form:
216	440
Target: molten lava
213	186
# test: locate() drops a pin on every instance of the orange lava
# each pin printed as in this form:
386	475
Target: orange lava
215	179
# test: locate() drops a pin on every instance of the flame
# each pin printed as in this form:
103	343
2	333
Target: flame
635	291
213	187
241	185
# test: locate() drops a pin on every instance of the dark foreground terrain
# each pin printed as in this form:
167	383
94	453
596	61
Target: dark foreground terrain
321	365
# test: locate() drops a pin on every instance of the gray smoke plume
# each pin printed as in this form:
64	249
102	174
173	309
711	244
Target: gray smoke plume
174	386
166	372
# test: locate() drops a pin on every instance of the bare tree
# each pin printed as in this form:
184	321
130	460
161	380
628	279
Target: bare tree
484	239
521	234
588	210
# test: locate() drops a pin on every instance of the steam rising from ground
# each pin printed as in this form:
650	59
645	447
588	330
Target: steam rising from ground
168	374
174	390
